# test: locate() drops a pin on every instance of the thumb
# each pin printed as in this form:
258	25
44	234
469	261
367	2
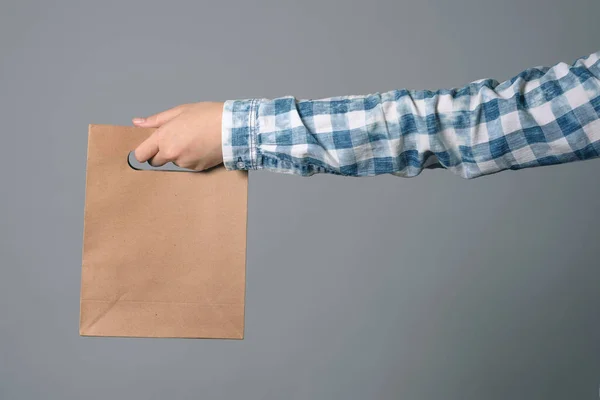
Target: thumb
157	120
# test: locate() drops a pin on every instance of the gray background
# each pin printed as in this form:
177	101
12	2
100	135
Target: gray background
358	288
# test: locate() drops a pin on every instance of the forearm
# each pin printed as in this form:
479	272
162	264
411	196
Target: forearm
542	116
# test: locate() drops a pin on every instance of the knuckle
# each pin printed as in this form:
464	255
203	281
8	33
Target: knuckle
184	164
189	164
171	153
160	138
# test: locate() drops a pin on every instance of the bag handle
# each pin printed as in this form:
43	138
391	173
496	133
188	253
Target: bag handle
145	166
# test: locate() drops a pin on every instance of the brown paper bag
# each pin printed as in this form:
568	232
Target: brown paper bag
163	252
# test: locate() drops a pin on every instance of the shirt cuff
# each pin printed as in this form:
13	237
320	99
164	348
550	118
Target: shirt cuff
239	134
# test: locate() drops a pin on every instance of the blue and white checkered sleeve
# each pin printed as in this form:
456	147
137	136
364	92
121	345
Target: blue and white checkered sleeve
542	116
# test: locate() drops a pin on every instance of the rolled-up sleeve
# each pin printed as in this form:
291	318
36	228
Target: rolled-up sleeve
542	116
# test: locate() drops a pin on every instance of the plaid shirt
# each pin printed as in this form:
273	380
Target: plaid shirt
542	116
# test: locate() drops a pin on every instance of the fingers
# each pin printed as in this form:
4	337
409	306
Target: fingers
148	148
150	151
159	160
157	120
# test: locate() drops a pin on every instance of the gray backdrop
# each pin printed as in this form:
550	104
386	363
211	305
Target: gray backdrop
358	288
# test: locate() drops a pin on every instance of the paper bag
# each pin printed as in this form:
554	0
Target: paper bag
163	252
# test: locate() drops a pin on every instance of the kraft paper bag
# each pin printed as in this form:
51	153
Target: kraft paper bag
164	252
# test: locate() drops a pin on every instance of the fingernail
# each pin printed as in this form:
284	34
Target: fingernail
138	120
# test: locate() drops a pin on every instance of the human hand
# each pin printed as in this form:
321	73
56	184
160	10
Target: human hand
188	135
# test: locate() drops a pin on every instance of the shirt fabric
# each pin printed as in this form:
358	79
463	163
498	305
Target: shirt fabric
542	116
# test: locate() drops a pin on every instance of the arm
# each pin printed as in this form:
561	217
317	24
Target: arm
542	116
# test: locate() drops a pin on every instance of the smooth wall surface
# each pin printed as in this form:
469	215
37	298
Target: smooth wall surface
358	288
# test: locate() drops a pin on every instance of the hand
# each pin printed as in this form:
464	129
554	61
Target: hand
188	135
